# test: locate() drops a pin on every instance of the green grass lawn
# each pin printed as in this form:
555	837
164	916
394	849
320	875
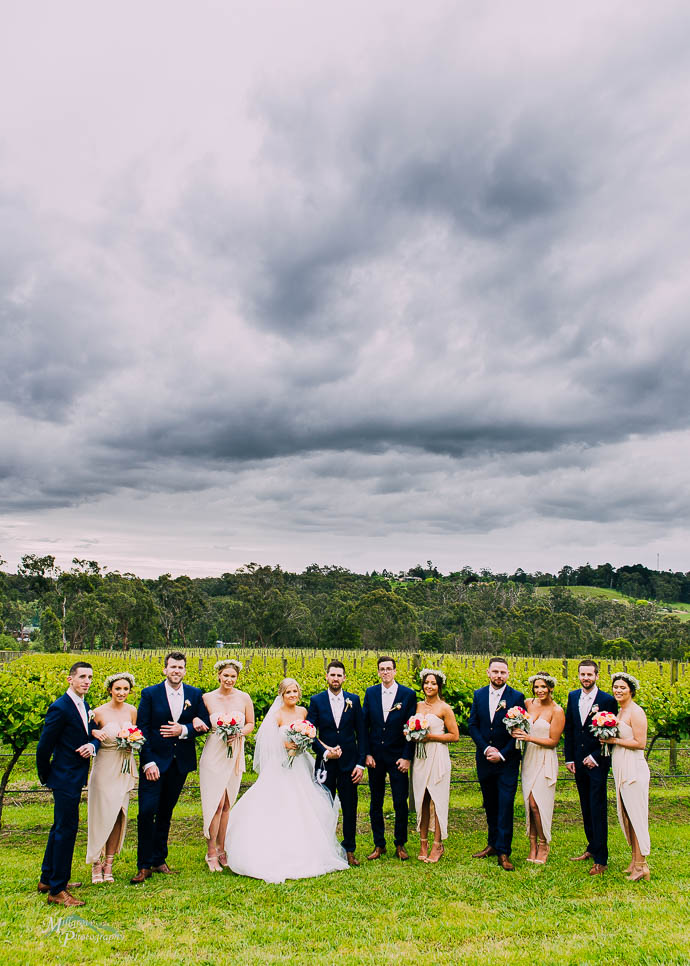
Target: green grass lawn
679	610
461	911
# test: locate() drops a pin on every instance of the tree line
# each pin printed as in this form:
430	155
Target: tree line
88	608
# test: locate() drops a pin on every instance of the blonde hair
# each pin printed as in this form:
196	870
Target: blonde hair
285	684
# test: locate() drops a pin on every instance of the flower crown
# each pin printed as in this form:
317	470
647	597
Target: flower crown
122	675
228	662
548	679
432	670
626	677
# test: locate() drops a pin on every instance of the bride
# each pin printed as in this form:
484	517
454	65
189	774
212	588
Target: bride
284	826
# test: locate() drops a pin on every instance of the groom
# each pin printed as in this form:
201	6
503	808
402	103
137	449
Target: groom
387	707
498	760
62	760
584	759
169	714
340	746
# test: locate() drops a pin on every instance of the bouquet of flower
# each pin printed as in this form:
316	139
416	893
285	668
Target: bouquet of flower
604	724
415	729
228	728
516	717
128	740
301	733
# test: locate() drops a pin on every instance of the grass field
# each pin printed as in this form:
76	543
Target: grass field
678	609
461	911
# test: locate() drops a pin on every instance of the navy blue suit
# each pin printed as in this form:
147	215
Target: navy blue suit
385	742
351	737
498	780
591	782
65	773
175	758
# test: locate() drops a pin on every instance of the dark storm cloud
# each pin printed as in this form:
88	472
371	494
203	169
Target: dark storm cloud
55	327
440	291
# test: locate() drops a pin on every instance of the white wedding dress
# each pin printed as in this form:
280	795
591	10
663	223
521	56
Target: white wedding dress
284	826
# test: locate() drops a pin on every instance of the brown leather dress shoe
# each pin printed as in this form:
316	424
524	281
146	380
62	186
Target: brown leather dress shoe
165	869
65	898
141	876
581	858
379	850
598	869
505	863
45	889
351	860
489	850
401	853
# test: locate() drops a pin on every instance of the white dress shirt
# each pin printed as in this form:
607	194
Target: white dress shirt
495	698
586	702
337	705
388	699
176	703
81	708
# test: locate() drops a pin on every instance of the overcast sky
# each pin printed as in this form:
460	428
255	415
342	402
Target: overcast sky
364	284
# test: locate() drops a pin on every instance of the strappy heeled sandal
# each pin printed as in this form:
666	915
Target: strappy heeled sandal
108	869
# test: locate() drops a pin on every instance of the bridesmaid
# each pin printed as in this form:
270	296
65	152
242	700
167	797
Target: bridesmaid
631	773
540	763
431	775
219	774
109	786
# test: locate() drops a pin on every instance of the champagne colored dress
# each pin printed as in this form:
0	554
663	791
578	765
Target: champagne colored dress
539	775
219	773
109	792
631	775
432	774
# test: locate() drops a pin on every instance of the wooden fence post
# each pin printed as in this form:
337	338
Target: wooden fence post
673	745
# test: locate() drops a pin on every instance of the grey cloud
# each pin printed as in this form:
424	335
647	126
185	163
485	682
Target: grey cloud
442	295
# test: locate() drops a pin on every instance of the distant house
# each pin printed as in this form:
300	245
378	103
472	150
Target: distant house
407	579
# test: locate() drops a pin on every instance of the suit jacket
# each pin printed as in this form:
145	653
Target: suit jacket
57	762
153	712
349	734
579	740
485	732
386	738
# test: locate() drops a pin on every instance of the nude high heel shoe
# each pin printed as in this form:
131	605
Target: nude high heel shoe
640	872
108	869
542	852
423	850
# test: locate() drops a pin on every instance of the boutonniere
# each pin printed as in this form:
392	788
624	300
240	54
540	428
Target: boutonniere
501	705
595	708
187	704
348	703
92	715
397	707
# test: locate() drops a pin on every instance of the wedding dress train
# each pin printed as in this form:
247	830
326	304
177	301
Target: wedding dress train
284	826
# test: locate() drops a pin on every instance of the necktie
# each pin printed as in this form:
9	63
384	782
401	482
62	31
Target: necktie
337	709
